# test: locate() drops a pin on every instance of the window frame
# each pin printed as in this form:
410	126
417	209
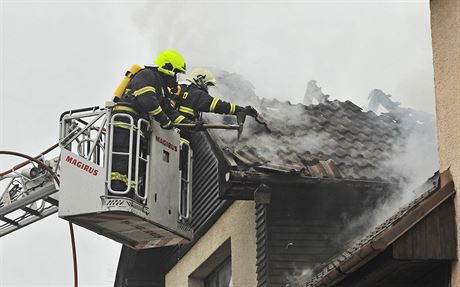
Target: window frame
217	259
217	271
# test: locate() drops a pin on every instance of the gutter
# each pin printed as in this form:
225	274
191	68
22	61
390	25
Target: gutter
377	246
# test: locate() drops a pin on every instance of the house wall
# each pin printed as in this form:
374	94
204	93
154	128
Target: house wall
445	23
237	224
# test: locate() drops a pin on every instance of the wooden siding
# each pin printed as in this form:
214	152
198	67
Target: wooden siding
434	237
205	196
383	271
305	229
262	245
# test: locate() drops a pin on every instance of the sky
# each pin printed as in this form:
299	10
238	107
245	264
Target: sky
61	55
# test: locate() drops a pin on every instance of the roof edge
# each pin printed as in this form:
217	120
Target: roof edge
252	177
241	185
371	249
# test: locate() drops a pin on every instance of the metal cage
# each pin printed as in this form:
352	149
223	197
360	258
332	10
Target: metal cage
152	214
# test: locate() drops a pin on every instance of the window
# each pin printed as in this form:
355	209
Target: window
221	276
214	271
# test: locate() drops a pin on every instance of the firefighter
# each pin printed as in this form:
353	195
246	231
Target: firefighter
146	96
193	99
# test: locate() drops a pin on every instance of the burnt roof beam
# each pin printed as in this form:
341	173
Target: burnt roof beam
242	184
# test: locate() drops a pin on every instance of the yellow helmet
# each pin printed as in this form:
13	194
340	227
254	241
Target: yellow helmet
201	77
170	63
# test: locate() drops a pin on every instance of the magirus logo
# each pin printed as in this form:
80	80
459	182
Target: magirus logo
166	143
81	165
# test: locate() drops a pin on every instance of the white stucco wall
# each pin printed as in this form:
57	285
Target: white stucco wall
238	225
445	31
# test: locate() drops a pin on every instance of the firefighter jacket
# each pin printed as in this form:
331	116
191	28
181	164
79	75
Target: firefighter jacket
191	101
145	94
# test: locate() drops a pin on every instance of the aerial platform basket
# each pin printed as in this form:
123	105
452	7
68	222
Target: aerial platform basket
140	217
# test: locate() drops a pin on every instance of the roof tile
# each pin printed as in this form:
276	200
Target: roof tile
357	142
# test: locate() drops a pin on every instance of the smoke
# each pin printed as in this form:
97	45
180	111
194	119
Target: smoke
410	161
411	157
414	158
298	277
414	155
275	61
286	124
264	43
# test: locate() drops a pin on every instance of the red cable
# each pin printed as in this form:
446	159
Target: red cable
53	174
18	166
74	255
30	160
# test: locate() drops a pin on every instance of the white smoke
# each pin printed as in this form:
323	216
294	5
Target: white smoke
414	159
415	155
271	145
298	277
263	42
278	59
410	162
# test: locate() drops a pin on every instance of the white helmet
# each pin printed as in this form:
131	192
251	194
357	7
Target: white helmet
201	77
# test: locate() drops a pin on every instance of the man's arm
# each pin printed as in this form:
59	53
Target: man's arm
207	103
174	115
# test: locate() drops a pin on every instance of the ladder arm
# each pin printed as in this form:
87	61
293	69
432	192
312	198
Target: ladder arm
29	196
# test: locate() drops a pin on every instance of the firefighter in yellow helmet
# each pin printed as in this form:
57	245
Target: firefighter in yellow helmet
147	92
146	96
193	98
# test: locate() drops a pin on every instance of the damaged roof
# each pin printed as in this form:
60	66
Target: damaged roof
331	139
437	190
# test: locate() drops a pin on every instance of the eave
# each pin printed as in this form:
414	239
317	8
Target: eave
242	185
